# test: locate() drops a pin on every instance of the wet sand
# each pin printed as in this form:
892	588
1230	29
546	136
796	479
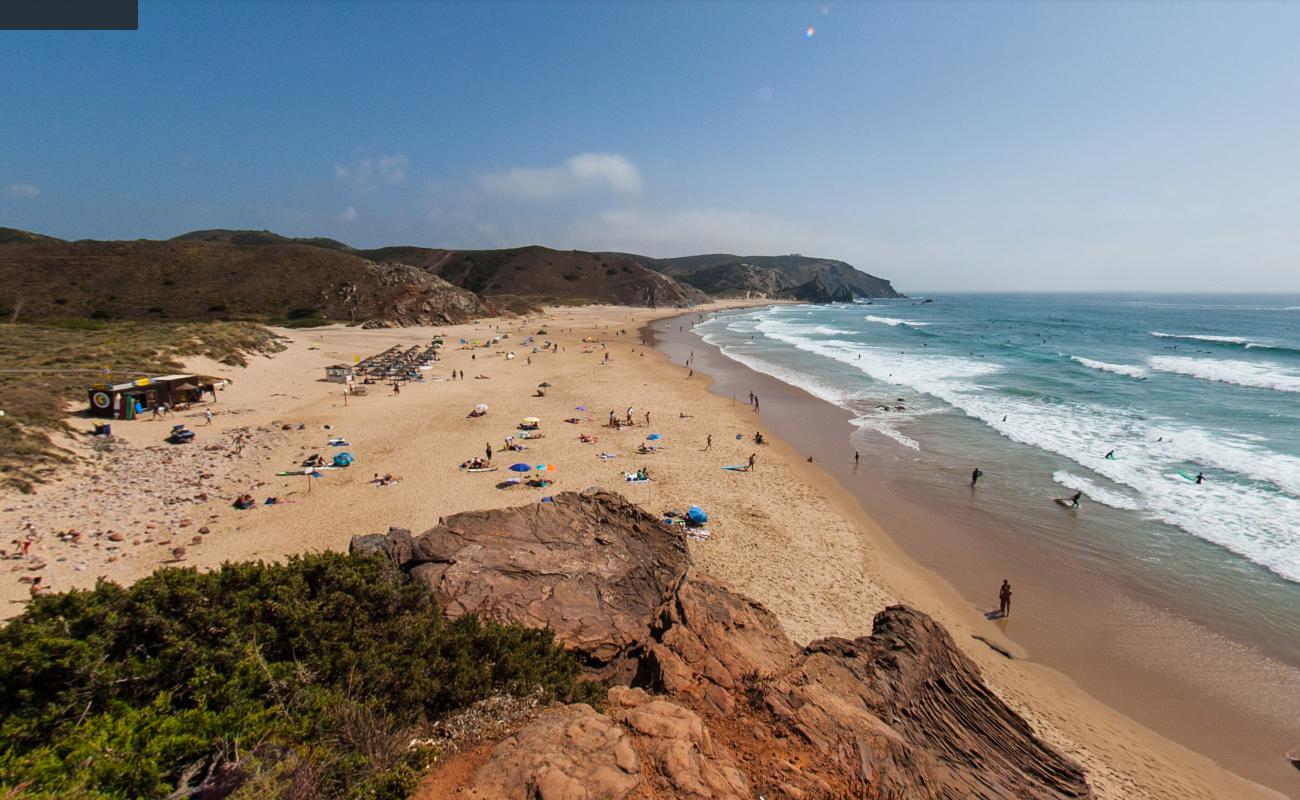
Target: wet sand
1238	703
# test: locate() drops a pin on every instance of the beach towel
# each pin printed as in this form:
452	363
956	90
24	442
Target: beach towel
631	477
697	534
606	456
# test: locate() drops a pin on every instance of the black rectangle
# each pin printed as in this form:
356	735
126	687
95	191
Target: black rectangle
70	15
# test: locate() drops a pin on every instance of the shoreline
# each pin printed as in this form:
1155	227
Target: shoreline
802	544
932	540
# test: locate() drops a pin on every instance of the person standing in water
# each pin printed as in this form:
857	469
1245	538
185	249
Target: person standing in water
975	475
1200	477
1074	499
856	459
1004	599
1111	455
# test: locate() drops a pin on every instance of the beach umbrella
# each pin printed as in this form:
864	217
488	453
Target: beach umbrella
481	407
532	420
521	467
545	468
696	515
654	437
543	385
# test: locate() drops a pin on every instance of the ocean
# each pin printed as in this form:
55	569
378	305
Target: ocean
1037	389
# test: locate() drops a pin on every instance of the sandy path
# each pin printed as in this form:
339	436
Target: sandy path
785	534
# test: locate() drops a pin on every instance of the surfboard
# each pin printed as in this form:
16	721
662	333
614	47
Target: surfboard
736	467
1191	476
1063	502
482	469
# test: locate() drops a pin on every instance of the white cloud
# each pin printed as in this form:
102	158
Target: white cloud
392	169
348	214
23	190
368	173
704	230
583	172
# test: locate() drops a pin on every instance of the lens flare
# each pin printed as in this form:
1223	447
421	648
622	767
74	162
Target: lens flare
808	34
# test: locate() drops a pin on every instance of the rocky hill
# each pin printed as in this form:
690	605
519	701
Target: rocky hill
796	277
707	697
192	279
548	275
257	237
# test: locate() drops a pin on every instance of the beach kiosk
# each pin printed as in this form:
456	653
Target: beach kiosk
340	373
132	398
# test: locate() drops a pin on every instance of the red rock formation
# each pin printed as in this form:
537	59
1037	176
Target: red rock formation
740	711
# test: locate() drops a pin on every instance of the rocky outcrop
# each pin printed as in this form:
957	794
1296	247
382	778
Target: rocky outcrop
593	567
709	697
792	276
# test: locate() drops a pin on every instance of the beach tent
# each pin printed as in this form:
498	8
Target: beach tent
696	516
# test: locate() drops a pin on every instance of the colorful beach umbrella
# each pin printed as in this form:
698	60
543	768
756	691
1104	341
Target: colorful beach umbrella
521	467
545	468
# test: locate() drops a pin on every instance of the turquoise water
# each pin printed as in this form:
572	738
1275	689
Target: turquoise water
1172	385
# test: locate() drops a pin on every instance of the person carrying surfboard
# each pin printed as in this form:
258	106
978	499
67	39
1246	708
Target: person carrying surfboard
1074	499
975	475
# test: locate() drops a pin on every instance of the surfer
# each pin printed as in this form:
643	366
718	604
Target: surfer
1200	477
1074	499
1110	456
975	476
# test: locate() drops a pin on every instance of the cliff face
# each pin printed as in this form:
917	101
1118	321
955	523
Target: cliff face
793	276
707	695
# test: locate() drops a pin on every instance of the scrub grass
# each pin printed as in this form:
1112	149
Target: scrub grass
44	367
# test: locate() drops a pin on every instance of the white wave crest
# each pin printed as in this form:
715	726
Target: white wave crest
1103	496
1257	375
894	322
1119	369
1196	337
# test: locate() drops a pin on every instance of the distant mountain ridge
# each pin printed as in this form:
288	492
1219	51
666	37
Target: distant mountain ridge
264	276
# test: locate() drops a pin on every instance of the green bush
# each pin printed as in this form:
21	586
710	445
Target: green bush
315	673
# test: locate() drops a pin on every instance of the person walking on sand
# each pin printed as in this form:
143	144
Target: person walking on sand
487	448
752	460
1004	599
856	459
975	475
207	414
708	442
755	402
647	419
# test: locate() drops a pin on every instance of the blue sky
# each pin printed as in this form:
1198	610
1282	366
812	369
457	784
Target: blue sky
1068	146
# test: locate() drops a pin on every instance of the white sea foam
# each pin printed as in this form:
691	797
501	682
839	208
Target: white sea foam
1235	341
1196	337
1248	504
894	321
1119	369
1259	375
1108	497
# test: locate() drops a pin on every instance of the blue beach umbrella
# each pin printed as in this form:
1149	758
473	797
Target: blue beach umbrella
521	467
696	515
654	437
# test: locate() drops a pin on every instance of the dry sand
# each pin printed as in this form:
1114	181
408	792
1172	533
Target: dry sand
786	534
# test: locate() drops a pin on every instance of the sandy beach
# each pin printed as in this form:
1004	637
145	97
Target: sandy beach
785	533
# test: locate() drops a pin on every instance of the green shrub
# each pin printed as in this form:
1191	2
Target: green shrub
319	670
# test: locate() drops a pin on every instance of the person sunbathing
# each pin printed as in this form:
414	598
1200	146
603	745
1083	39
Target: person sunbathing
315	460
244	502
588	438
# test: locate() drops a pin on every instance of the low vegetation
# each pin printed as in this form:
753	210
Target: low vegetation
44	367
300	680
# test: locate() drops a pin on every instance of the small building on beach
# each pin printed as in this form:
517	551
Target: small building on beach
340	373
132	398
